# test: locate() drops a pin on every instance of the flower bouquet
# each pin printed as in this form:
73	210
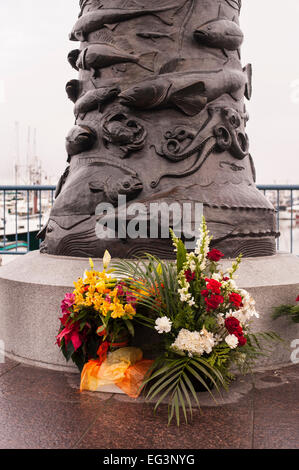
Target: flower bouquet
97	319
203	318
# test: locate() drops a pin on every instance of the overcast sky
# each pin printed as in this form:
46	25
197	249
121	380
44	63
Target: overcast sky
33	72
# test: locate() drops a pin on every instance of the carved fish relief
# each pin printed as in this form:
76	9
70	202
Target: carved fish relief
62	181
96	4
221	34
236	4
73	57
73	89
80	139
96	20
187	91
95	99
153	35
129	186
98	56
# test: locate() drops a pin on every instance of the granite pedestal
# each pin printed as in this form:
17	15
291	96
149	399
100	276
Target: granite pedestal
32	287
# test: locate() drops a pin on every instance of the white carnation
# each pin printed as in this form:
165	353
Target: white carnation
232	341
217	277
163	325
194	342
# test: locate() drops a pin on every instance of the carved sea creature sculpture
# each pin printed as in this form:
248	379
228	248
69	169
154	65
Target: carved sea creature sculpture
80	139
236	4
129	186
72	89
187	91
230	134
62	181
98	56
73	57
221	34
126	133
110	18
154	35
95	99
85	3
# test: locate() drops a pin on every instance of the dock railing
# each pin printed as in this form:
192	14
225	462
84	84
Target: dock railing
25	209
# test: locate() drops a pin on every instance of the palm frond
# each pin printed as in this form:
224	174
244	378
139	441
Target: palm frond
172	381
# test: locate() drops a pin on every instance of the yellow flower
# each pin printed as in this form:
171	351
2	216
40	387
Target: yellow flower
98	301
79	285
118	310
130	310
90	277
101	286
79	301
91	263
105	308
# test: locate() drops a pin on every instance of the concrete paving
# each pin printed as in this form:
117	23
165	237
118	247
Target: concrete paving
43	409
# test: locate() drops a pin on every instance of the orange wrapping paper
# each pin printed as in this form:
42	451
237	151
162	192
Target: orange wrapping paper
134	376
124	368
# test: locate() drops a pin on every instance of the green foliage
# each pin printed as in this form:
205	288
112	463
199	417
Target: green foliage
87	350
156	283
290	311
220	358
172	379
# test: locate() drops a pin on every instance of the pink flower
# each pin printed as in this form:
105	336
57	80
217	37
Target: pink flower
70	333
67	302
120	290
131	299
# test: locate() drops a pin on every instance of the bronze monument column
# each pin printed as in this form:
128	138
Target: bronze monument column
160	116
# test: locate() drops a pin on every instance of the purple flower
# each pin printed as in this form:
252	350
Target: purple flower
120	290
131	299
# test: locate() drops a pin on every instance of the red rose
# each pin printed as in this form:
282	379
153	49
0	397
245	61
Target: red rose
214	286
232	325
214	301
239	331
242	340
225	279
297	300
205	293
235	299
189	275
215	255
